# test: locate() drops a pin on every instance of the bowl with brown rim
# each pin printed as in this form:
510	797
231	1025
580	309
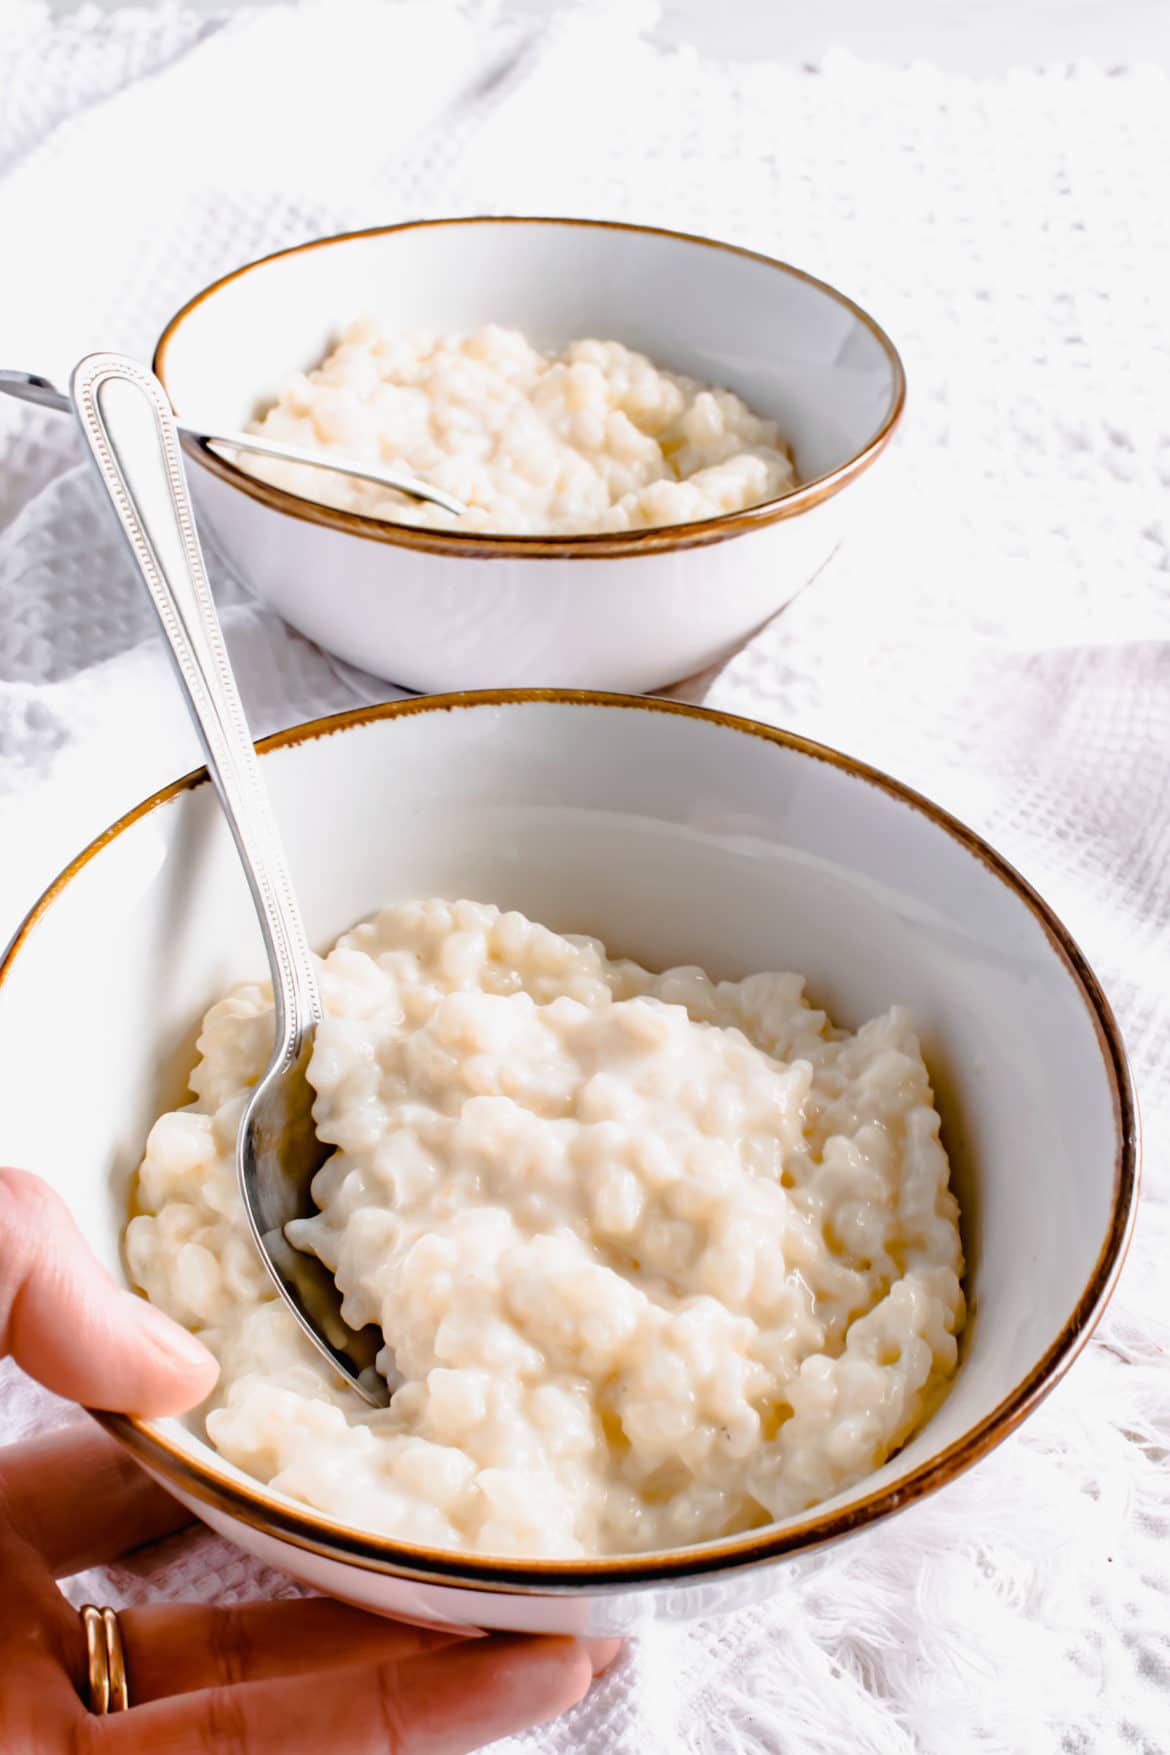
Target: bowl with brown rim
432	608
676	835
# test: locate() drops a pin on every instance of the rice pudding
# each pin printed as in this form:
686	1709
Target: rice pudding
593	438
656	1258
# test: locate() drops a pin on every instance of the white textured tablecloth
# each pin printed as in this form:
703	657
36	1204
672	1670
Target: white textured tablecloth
1000	638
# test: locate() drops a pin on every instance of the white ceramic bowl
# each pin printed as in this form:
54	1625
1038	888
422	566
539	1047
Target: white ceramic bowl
431	609
676	835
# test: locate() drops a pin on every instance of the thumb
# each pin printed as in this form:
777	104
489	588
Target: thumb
65	1321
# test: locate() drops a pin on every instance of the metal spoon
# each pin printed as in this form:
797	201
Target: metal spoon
131	431
29	387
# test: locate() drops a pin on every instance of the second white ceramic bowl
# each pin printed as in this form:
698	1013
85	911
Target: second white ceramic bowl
432	609
675	835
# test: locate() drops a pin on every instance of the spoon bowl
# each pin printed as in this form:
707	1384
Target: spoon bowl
277	1156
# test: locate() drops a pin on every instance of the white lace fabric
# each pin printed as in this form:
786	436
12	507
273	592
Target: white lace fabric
997	633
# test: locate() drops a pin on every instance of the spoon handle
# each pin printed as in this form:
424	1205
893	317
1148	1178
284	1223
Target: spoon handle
130	429
31	387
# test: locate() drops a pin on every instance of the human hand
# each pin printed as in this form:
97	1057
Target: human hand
306	1675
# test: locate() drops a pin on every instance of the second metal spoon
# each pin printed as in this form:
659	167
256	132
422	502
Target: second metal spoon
30	387
130	429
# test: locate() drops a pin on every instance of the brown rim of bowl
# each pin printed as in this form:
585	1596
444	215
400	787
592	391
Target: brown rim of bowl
483	545
251	1504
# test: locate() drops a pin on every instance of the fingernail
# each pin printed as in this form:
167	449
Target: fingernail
602	1653
178	1343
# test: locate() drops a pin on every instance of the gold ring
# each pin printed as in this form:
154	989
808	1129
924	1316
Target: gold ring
106	1659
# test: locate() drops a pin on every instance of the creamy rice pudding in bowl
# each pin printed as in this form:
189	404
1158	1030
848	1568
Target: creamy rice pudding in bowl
667	1262
653	433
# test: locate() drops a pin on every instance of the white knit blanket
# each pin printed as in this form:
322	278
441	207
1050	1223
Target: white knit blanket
1000	638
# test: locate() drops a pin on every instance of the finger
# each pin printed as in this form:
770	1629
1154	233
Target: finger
66	1322
42	1649
178	1648
445	1703
80	1499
